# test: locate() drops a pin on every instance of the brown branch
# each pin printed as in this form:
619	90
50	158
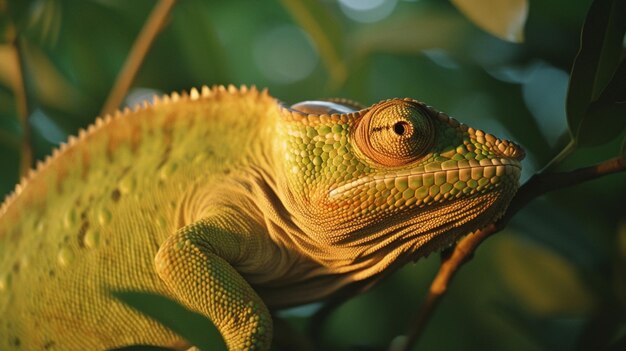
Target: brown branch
140	48
19	89
537	185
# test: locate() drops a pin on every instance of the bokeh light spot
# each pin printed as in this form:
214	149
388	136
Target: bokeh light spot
367	11
47	127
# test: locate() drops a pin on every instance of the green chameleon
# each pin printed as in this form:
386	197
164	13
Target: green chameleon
234	204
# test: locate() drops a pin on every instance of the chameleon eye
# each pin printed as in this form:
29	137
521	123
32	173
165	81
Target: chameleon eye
395	133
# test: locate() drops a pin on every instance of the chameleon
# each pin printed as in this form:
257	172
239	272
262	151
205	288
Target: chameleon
235	204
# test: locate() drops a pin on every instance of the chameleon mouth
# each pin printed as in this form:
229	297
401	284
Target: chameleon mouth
438	181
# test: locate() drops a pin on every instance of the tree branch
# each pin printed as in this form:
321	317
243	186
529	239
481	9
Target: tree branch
537	185
140	48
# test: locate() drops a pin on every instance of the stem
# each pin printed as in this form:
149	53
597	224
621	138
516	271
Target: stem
19	89
140	48
537	185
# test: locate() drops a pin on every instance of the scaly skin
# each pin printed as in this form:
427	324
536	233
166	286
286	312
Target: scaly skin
232	203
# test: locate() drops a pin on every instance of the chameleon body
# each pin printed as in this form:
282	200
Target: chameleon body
234	204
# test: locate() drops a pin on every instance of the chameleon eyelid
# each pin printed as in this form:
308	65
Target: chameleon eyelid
389	134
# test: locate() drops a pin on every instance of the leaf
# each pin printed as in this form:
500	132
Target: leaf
194	327
615	91
602	123
325	32
546	283
12	18
44	21
51	86
597	59
406	34
606	117
503	18
624	147
195	49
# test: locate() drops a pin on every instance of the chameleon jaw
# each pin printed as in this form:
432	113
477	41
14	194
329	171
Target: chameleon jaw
474	176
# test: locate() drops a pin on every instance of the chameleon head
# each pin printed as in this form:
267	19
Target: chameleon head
398	173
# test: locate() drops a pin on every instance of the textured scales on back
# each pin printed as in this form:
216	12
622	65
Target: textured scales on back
233	203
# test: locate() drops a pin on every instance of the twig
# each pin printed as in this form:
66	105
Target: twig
19	89
137	54
537	185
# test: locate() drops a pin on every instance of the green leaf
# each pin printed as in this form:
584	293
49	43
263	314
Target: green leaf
13	15
606	117
52	87
503	18
615	91
40	20
546	283
405	34
624	147
602	123
325	32
195	49
598	57
194	327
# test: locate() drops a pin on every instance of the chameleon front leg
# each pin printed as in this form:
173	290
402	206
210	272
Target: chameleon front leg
194	264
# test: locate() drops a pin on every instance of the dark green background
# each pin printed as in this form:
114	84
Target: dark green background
555	279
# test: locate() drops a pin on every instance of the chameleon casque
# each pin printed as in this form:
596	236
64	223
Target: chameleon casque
232	203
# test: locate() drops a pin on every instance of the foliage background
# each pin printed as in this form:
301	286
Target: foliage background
554	279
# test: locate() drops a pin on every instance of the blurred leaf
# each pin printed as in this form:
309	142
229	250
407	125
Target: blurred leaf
388	63
44	20
325	31
624	147
600	50
39	19
194	327
545	282
51	87
503	18
547	333
12	15
204	55
405	33
551	227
